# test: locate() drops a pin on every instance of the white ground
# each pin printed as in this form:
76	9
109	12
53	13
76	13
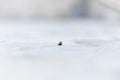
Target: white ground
29	51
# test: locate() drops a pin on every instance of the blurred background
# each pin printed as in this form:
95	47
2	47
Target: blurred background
37	9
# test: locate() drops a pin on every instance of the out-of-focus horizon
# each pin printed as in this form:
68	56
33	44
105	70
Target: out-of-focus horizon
22	9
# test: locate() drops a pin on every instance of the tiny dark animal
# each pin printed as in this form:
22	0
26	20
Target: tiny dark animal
60	44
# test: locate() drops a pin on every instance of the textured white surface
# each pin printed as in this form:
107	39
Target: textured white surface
29	51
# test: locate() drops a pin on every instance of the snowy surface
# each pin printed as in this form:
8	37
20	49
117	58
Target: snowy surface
29	51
